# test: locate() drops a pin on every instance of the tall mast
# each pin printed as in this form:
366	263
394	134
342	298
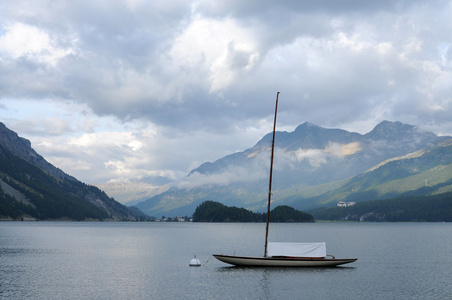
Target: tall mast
271	174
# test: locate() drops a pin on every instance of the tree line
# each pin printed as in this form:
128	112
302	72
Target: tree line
211	211
409	208
52	198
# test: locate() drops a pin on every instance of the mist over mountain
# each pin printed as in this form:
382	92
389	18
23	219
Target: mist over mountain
32	188
133	191
311	165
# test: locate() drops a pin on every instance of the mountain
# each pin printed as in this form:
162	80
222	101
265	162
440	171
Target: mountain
424	172
131	192
429	208
313	166
32	188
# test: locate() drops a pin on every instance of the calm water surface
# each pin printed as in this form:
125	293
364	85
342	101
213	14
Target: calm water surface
57	260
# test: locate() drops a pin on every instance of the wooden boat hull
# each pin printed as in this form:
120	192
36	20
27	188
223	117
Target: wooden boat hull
251	261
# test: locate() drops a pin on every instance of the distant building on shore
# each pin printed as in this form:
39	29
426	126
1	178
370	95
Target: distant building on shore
345	204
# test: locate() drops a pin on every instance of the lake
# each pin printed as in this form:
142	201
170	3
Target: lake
78	260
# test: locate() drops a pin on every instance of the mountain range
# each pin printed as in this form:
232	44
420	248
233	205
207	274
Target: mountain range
316	167
313	167
31	188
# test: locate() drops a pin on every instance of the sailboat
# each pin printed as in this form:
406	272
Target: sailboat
285	254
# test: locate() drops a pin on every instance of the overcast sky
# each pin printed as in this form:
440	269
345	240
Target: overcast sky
114	90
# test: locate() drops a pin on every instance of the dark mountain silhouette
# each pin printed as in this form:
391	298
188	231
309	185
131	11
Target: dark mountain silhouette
32	188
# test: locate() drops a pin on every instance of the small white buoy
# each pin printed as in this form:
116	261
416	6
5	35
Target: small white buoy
194	262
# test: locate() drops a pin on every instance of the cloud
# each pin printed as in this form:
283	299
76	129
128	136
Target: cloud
315	157
196	58
228	176
161	87
24	40
257	166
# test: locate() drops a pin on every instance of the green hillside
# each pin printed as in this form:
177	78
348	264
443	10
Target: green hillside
317	166
426	173
28	191
436	208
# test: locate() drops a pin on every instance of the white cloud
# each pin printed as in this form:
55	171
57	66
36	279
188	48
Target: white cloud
316	157
213	53
24	40
131	88
228	176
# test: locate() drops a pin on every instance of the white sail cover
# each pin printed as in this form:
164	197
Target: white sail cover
297	249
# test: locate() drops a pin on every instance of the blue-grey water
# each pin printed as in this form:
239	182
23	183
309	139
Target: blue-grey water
70	260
